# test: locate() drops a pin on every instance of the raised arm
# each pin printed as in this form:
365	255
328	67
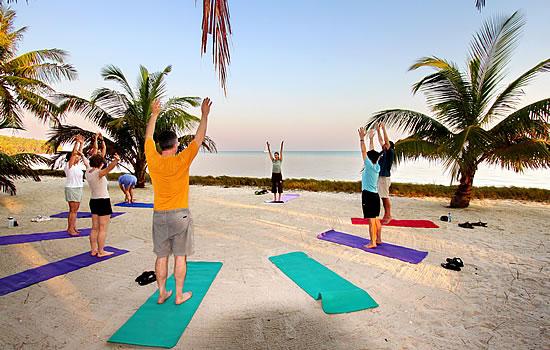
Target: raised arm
108	168
77	146
362	133
155	110
103	147
269	150
95	148
201	130
380	140
371	140
386	138
281	154
84	160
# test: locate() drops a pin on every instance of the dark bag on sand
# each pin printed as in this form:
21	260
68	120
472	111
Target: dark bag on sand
444	218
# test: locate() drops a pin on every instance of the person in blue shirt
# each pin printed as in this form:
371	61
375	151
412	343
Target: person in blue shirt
127	183
369	196
386	162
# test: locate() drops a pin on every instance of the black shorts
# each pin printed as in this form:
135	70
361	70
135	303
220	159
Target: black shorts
371	204
101	206
276	182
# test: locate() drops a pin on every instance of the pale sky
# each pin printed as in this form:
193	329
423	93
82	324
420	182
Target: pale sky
308	72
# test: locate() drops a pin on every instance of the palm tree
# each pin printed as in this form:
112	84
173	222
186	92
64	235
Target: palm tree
24	88
124	116
475	117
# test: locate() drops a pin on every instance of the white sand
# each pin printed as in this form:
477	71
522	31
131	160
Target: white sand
500	300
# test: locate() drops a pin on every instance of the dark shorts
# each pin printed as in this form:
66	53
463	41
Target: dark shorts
173	232
101	206
276	182
371	204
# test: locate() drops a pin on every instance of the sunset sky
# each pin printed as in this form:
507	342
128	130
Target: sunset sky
308	72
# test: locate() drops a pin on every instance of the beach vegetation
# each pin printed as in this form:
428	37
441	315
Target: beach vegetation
123	116
25	89
476	118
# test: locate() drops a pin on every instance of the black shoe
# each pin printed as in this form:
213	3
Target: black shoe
479	223
457	261
450	266
146	277
466	225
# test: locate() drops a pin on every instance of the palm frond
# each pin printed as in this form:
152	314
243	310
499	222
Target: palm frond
113	73
18	166
411	122
480	4
522	154
207	145
531	121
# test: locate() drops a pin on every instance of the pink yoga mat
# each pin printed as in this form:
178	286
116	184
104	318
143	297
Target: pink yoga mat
402	223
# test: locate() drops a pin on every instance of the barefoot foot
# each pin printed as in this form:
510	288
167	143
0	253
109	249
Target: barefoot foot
370	245
162	298
94	252
183	298
104	253
387	220
73	233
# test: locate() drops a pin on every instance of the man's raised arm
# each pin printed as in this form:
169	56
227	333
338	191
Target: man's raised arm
201	130
155	110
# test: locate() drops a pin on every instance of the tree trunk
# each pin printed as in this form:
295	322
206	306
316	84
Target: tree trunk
140	173
463	193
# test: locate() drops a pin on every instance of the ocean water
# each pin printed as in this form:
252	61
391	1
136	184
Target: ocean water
346	166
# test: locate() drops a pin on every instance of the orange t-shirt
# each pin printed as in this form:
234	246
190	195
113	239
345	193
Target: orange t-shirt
170	176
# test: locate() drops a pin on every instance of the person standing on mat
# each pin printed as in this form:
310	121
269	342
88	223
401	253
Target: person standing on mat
100	202
172	221
74	184
386	162
276	175
127	183
369	196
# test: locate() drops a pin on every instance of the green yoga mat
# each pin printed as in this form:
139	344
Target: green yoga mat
337	294
162	325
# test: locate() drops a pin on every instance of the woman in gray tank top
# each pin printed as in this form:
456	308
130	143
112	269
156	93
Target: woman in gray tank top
276	175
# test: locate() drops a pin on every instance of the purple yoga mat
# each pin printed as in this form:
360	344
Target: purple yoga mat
43	236
285	198
82	214
135	205
391	251
42	273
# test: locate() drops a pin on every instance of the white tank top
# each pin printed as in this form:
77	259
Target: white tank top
97	185
74	175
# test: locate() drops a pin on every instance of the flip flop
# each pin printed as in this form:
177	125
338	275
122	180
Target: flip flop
479	223
146	277
466	225
457	261
450	266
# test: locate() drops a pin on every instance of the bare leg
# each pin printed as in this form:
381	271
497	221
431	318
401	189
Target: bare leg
73	210
387	210
372	232
131	190
161	271
280	196
378	231
103	224
274	196
94	233
126	195
180	270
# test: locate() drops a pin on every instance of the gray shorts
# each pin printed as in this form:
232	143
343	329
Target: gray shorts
73	194
172	232
384	183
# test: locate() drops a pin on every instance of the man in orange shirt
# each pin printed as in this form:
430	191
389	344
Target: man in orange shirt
172	221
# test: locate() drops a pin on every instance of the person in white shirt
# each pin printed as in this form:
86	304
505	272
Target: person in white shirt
73	184
100	202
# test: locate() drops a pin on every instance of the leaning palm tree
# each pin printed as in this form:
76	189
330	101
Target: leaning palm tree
475	116
24	88
123	116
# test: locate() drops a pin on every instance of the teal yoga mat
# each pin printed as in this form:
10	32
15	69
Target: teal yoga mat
162	325
337	294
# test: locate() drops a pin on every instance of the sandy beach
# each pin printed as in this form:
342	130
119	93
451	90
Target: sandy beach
500	299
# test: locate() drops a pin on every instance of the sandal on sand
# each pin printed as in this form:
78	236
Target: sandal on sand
466	225
457	261
479	223
450	266
146	277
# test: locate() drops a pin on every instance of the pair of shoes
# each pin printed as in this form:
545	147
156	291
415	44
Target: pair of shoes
453	264
40	218
146	277
479	223
466	225
260	192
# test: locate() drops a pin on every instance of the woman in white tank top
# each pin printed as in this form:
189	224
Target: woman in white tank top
74	184
100	202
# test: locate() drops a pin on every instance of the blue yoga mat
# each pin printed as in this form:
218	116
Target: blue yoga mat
42	273
135	205
389	250
162	325
43	236
82	214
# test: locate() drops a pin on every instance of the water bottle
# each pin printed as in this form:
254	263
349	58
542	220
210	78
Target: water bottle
11	222
449	217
